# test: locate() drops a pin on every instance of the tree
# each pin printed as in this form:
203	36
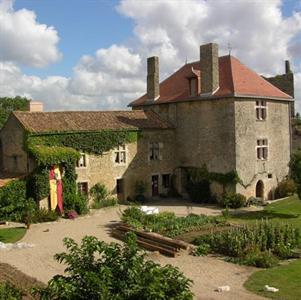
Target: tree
97	270
295	168
7	105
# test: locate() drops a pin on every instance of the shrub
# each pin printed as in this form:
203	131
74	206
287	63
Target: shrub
285	188
140	189
9	292
105	203
233	200
99	192
13	200
254	201
295	168
44	215
96	270
278	239
202	249
76	202
260	259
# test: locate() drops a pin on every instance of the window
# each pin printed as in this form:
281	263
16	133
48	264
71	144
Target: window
261	110
166	181
192	86
120	155
154	151
82	162
262	149
82	188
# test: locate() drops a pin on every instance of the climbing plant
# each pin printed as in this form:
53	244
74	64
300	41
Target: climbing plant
199	179
62	149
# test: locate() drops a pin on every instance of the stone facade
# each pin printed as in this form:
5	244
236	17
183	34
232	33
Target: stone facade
14	159
138	166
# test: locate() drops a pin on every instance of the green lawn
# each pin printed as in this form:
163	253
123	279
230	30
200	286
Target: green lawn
11	235
285	277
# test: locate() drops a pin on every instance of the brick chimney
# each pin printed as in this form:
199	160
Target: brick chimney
209	68
153	91
34	106
287	67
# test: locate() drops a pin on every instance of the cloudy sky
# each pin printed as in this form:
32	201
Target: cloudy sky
91	54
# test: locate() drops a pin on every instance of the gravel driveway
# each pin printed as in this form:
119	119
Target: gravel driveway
206	272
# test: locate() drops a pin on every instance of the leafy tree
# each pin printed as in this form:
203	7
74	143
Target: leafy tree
97	270
7	105
295	167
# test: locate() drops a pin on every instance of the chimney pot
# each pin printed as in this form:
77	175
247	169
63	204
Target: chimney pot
209	68
153	92
287	67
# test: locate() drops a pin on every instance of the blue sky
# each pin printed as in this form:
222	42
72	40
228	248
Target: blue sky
90	54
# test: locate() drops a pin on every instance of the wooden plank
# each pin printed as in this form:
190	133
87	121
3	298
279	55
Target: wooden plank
147	246
157	237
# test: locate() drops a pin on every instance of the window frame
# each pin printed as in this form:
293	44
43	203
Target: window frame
261	110
262	149
84	156
154	151
119	152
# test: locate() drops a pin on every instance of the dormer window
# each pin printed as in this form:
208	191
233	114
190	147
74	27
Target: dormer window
193	87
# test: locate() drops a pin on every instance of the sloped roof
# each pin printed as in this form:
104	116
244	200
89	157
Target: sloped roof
66	121
235	79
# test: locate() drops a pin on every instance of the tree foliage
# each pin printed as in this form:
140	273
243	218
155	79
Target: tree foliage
96	270
295	168
7	105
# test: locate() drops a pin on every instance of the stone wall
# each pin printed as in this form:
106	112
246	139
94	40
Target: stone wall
138	166
14	158
285	83
276	129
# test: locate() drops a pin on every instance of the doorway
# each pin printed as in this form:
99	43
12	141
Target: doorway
155	185
260	189
120	189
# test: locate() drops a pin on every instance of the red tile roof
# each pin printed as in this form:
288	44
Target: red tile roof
66	121
235	79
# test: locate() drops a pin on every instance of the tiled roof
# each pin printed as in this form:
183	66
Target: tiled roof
43	122
235	79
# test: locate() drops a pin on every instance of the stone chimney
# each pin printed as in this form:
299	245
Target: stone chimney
209	68
153	90
34	106
287	67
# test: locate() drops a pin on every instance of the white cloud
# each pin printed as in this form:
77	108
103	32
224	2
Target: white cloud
260	36
23	40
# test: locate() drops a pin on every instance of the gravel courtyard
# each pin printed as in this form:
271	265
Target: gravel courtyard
206	272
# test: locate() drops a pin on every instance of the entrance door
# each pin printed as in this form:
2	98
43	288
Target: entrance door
155	185
120	189
259	189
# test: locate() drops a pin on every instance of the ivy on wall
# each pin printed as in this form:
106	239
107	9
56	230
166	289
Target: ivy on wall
63	149
199	179
89	142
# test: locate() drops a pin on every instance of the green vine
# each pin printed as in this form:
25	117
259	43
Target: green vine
62	149
89	142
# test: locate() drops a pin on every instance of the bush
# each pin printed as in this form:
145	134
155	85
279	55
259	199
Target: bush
233	200
295	168
166	223
285	188
13	200
254	201
99	192
260	259
96	270
202	250
76	202
239	242
105	203
9	292
44	215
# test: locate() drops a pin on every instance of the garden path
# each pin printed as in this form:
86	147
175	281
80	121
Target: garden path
207	272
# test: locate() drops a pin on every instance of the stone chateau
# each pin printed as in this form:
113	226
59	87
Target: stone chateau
215	111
